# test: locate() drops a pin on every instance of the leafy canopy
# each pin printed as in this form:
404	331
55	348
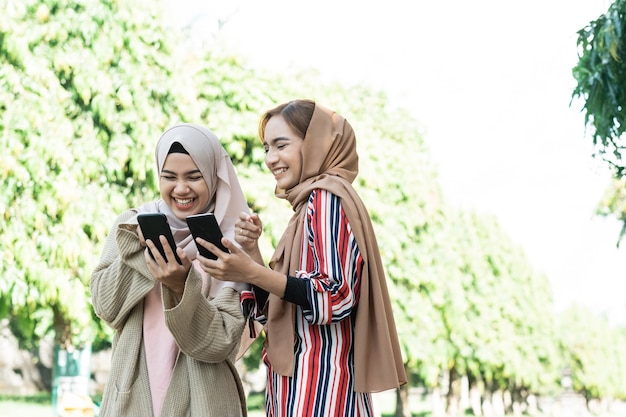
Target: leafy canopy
601	84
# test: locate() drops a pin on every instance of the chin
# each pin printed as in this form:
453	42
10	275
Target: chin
285	185
182	213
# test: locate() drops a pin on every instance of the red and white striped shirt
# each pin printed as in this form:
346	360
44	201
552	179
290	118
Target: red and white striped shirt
323	380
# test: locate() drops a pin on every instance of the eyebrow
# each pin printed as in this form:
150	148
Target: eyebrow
275	140
195	171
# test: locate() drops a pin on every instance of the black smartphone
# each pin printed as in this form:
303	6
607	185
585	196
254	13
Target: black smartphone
152	226
205	225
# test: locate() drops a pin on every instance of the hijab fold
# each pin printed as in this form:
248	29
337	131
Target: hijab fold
330	162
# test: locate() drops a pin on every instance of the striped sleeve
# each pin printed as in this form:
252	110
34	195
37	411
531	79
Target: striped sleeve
331	260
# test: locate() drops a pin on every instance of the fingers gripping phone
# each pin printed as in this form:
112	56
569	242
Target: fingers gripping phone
205	226
152	226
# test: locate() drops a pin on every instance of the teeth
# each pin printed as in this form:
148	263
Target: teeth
280	171
185	201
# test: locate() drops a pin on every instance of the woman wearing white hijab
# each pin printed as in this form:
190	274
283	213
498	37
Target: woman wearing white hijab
177	330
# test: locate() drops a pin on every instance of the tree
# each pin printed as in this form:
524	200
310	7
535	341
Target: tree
494	316
613	204
601	84
85	88
593	353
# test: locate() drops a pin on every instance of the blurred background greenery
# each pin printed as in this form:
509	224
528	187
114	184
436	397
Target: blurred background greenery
86	88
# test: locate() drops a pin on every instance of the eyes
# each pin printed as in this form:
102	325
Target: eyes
191	178
280	146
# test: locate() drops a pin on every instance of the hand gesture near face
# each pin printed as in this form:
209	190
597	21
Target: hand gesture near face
248	230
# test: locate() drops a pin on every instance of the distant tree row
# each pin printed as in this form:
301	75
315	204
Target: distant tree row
86	88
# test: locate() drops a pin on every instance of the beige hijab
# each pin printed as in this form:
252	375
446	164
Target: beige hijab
330	162
226	202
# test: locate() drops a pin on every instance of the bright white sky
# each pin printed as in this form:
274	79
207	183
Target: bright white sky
491	83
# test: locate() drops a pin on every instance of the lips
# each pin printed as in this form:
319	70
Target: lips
183	203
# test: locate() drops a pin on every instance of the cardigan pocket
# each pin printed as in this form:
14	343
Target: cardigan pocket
119	402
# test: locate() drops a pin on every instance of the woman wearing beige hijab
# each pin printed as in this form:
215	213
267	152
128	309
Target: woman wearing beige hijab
177	330
330	334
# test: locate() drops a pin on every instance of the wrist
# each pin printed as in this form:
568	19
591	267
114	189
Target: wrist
256	274
269	280
255	253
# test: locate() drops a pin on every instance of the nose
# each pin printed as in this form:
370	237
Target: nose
181	187
271	157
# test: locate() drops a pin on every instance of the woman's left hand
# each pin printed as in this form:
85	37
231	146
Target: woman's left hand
248	230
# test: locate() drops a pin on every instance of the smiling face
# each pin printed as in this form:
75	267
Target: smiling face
182	186
283	154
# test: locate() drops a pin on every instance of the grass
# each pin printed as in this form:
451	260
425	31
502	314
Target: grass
40	405
12	408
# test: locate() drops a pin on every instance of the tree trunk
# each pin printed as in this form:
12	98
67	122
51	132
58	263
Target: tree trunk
588	399
507	401
454	392
532	407
517	402
490	400
437	401
62	328
403	406
497	402
486	405
475	390
464	403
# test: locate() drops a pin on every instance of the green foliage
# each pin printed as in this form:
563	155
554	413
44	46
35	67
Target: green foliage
492	312
613	203
601	82
40	398
86	87
594	353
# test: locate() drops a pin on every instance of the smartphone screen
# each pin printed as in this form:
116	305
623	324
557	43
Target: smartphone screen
152	226
205	225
